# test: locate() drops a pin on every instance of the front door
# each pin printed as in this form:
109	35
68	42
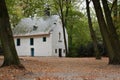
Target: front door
32	51
60	52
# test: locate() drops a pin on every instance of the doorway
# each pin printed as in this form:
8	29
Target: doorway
32	51
60	52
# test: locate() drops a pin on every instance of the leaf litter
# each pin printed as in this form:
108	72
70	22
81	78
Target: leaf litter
55	68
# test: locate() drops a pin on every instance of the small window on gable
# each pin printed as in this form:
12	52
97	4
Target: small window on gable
54	23
35	27
31	41
44	39
18	41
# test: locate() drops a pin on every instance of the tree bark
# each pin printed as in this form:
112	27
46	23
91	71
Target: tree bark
113	34
103	29
63	24
93	36
10	54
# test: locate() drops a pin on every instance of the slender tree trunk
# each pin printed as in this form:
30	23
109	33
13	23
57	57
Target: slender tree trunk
113	34
63	24
68	4
103	28
93	36
10	54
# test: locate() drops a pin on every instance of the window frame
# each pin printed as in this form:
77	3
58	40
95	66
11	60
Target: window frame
44	39
18	41
31	41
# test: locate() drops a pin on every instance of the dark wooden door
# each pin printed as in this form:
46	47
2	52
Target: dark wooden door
60	52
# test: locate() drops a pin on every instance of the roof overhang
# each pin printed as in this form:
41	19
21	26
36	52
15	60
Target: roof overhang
33	35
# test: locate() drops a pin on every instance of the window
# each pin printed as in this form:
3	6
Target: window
54	23
35	27
59	37
64	51
31	41
55	50
18	42
44	39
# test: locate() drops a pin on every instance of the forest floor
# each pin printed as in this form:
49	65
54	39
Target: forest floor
54	68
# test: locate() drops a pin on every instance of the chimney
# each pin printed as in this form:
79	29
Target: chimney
47	10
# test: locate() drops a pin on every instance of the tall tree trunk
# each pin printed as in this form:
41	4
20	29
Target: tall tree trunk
10	54
93	36
63	24
67	6
103	28
113	34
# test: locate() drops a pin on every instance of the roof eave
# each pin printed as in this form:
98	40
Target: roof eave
33	35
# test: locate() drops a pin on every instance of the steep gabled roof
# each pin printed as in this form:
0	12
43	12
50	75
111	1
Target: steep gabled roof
36	25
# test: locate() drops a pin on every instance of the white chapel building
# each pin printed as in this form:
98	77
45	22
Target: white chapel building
40	36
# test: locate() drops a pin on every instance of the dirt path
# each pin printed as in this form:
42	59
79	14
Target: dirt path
51	68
